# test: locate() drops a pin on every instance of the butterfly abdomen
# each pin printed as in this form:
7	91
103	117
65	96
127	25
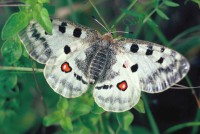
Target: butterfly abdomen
97	65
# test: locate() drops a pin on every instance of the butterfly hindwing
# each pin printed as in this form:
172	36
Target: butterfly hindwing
64	76
121	92
159	67
41	46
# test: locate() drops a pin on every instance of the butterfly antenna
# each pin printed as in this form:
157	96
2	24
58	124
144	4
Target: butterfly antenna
100	23
122	32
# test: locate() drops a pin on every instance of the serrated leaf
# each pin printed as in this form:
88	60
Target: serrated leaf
140	106
170	3
41	15
66	124
11	51
52	118
125	119
162	14
62	103
14	24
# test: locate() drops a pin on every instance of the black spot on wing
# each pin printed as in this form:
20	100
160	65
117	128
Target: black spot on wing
79	78
67	49
62	29
134	68
160	60
104	87
63	24
162	49
149	51
77	32
42	39
36	34
124	66
134	48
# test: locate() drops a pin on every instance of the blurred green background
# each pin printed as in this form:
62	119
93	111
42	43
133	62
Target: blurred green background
29	105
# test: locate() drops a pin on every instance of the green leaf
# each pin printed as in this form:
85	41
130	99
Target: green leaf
170	3
78	107
140	106
62	103
43	1
96	109
197	2
66	124
14	24
41	15
31	2
51	9
53	118
125	119
141	130
162	14
2	117
90	120
11	51
8	81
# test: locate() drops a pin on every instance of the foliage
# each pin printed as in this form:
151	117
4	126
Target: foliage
25	109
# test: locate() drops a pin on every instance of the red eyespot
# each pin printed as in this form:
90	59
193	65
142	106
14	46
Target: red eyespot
122	85
65	67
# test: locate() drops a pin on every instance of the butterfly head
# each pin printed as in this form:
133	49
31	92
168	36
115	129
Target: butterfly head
107	39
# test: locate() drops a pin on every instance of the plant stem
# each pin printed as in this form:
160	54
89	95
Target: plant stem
153	124
123	14
190	30
195	128
104	22
73	15
6	68
152	12
101	124
181	126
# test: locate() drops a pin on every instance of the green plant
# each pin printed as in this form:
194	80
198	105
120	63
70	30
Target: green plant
25	109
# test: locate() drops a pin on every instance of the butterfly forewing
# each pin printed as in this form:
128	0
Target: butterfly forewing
158	67
41	46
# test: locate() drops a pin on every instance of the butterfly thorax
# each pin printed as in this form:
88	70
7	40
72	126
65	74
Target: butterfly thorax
100	59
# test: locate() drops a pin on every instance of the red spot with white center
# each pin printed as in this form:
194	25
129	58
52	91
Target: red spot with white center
122	85
65	67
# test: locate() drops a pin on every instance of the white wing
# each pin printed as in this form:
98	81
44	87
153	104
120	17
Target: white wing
42	46
158	67
63	52
64	74
120	93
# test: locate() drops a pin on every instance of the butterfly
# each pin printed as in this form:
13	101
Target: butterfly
120	69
